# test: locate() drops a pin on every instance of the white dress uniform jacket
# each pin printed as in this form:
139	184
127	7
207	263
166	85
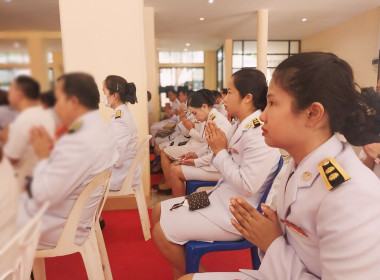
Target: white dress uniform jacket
159	125
124	129
247	168
342	225
205	154
221	109
75	160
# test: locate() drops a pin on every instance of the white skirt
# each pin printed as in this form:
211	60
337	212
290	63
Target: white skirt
182	225
198	173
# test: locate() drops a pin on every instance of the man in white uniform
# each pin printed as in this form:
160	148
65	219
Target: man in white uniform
24	97
76	158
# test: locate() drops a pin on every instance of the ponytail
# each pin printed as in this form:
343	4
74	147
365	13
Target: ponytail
130	93
126	91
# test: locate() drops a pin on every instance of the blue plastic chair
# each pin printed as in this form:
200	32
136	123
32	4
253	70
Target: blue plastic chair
196	249
193	185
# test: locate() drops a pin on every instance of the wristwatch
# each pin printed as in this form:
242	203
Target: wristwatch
377	160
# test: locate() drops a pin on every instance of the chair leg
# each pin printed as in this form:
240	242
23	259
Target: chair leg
39	272
91	258
193	259
103	253
143	212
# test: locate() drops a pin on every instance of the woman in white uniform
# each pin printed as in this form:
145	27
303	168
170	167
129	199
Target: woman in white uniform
123	125
246	163
196	165
328	211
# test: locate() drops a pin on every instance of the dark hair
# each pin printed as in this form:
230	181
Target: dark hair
253	81
48	98
29	86
4	97
372	107
216	94
173	91
126	91
327	79
200	97
224	91
82	86
149	95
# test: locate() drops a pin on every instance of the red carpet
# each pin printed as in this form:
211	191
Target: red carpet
133	258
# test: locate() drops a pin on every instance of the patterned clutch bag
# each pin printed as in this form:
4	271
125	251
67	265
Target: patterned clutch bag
196	200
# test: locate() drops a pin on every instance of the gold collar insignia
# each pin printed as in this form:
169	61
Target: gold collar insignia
75	127
118	114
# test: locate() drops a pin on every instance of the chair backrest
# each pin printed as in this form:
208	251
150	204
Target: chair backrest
138	161
67	238
265	194
17	255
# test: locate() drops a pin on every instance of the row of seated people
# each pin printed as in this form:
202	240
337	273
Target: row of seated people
55	169
318	237
322	225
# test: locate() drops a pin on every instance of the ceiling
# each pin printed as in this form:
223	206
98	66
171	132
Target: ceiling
177	21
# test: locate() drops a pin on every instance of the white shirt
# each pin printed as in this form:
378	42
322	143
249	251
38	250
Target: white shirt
9	198
124	131
18	146
75	160
7	114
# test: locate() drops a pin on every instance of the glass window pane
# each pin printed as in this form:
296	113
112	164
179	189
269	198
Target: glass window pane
237	47
249	60
164	57
164	99
166	77
278	46
294	47
187	57
235	69
237	61
219	54
250	47
270	74
198	57
175	57
7	76
275	60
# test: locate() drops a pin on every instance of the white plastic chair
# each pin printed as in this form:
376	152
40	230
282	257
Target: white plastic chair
18	254
93	250
138	192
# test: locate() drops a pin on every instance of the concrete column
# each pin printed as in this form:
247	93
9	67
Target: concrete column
210	70
262	40
151	62
110	40
38	60
227	67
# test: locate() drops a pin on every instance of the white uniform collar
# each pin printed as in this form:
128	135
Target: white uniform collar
309	164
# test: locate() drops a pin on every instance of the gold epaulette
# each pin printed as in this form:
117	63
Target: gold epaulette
256	122
118	114
212	117
332	173
75	127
